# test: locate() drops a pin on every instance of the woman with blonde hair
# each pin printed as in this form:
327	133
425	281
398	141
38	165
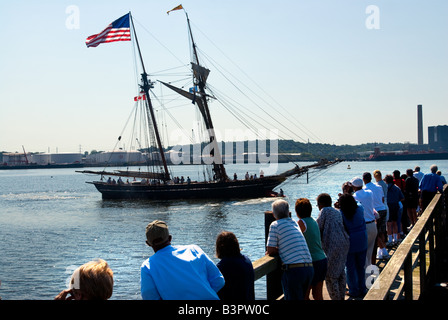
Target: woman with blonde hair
91	281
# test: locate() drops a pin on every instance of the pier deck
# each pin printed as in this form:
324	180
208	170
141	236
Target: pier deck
381	264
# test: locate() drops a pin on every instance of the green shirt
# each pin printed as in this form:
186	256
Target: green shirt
312	237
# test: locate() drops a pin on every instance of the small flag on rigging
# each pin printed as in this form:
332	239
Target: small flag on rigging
193	89
179	7
119	30
141	97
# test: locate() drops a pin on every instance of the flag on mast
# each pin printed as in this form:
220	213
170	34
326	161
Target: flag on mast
119	30
179	7
140	97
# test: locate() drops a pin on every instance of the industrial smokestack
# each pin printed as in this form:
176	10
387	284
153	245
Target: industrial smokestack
420	124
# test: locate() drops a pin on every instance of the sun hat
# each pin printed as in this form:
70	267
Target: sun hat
356	182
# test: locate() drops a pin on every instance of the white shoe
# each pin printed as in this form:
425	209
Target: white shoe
382	255
379	255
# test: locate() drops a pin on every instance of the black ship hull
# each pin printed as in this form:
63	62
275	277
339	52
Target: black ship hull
240	189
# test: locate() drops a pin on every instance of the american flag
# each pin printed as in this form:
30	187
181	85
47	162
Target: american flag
119	30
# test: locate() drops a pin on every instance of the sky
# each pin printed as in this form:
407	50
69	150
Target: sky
338	72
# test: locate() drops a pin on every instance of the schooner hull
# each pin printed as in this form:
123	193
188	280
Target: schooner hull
241	189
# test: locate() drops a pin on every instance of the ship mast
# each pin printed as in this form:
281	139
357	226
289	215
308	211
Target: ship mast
200	74
145	87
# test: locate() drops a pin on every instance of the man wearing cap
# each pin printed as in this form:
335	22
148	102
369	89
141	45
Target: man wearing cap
365	197
177	272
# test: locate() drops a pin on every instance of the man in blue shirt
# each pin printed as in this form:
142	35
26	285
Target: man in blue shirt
429	185
177	272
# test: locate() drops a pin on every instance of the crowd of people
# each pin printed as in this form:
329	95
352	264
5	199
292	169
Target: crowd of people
337	247
350	235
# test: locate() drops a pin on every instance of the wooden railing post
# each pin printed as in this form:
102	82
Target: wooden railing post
432	255
440	238
273	279
407	267
444	233
422	259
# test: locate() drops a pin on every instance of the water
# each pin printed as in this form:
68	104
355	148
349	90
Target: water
51	221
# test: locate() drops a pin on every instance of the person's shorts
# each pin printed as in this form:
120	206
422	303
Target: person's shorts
381	222
320	271
393	211
411	202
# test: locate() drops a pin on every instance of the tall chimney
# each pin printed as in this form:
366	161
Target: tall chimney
420	124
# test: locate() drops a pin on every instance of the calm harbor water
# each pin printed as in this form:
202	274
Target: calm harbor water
51	221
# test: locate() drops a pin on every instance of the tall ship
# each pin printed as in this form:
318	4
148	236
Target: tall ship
157	180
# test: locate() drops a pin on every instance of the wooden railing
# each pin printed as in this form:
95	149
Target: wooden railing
428	235
269	266
427	238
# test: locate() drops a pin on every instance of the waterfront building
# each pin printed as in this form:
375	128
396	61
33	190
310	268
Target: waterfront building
438	138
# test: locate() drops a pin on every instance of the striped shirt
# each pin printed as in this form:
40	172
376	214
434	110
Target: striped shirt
285	235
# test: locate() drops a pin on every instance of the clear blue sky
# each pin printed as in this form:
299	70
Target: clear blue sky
344	83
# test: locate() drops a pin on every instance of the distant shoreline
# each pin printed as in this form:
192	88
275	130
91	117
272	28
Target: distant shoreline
87	165
37	166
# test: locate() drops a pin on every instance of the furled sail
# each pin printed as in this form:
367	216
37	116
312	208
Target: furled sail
138	174
200	72
134	174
